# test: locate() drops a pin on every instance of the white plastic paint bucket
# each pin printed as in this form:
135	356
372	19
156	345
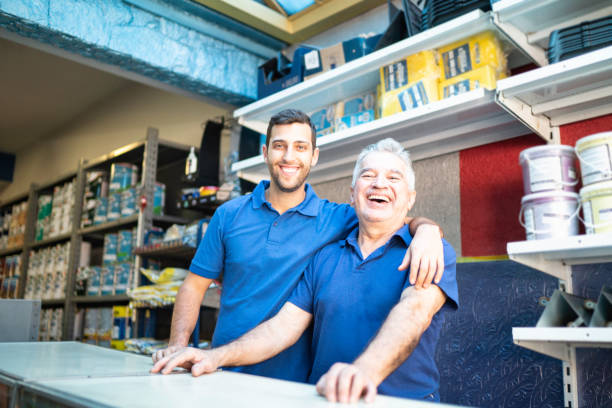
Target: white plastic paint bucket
595	155
547	168
597	207
550	214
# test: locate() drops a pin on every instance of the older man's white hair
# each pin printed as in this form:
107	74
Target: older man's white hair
386	145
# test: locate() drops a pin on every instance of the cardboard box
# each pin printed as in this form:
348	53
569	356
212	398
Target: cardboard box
409	97
483	77
410	70
337	55
472	53
354	119
323	120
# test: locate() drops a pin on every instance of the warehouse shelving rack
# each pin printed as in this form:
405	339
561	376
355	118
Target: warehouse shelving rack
151	155
537	101
30	227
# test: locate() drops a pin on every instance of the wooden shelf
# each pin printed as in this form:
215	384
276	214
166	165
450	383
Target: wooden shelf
48	241
11	250
174	249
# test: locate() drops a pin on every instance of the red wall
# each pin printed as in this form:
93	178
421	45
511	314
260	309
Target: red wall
491	186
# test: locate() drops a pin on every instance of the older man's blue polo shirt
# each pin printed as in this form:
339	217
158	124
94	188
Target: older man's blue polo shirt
350	299
262	256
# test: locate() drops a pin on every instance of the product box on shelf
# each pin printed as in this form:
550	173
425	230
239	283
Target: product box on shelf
279	73
483	77
326	59
409	97
471	53
409	70
122	326
323	120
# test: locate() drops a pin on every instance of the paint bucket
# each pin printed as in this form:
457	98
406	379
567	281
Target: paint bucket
547	168
595	155
597	207
551	214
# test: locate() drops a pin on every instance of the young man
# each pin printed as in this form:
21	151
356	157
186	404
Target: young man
262	243
372	328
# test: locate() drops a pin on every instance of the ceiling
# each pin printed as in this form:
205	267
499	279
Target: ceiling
42	92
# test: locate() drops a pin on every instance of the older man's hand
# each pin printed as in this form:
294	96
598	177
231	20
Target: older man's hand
425	256
346	383
198	361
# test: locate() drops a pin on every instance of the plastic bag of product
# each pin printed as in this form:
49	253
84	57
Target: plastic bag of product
165	275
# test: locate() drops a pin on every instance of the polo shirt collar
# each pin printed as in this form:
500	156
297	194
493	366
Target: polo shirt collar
403	234
308	207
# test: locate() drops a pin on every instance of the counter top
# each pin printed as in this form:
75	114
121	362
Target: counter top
41	360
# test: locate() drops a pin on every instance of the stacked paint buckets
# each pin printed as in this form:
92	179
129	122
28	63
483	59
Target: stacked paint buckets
551	206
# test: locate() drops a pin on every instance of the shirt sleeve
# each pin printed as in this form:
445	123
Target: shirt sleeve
209	257
303	294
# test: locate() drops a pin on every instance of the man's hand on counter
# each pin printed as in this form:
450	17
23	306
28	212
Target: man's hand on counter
198	361
346	383
159	354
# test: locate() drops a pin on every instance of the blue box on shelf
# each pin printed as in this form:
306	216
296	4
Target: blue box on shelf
279	73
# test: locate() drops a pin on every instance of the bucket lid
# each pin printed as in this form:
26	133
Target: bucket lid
550	149
596	189
590	138
550	194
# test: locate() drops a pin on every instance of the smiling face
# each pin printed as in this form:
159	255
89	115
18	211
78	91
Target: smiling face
289	156
381	192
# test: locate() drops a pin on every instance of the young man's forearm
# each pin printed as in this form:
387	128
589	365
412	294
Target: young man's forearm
187	308
400	333
266	340
415	222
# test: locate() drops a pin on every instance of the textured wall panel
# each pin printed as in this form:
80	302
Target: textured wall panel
574	131
115	33
594	365
491	191
479	364
437	186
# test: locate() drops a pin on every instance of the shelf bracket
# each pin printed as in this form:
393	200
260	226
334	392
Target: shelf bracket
560	351
521	40
557	269
539	124
570	379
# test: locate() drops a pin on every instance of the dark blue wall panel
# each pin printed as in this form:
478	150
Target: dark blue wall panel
479	364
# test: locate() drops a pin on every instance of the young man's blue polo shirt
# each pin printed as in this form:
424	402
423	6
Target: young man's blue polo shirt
262	256
350	299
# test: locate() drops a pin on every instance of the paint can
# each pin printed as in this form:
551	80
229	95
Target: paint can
597	207
550	214
595	155
548	168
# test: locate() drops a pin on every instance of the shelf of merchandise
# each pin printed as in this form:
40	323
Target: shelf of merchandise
174	249
529	23
449	125
558	342
11	250
103	299
452	124
555	256
569	91
53	302
208	202
212	299
127	222
51	240
30	229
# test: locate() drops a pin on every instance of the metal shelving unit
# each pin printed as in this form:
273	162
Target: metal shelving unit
569	91
452	124
558	342
168	250
50	241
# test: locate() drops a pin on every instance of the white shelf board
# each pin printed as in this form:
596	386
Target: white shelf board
556	341
553	255
463	121
530	22
568	91
360	75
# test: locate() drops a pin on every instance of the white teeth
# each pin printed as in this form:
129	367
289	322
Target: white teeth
378	197
290	169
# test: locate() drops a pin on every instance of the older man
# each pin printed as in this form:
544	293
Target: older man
372	328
